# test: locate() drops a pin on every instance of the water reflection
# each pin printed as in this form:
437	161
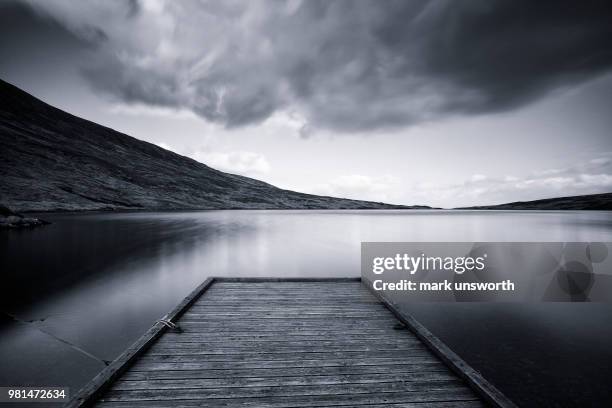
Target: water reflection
97	281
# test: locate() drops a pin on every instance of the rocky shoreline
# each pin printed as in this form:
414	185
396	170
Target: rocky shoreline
12	220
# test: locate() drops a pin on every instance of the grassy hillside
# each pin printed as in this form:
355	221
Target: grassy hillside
52	160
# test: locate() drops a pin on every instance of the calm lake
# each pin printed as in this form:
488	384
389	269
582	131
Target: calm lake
78	292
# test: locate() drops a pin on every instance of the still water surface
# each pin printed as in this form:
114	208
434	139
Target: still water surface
78	292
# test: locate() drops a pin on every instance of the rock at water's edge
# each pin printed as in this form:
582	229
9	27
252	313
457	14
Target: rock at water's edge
9	219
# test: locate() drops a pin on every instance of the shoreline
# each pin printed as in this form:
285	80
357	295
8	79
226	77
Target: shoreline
13	220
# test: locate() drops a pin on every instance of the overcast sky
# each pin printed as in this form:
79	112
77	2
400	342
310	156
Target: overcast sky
411	102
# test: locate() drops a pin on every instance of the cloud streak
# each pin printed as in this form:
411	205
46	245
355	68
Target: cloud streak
343	65
593	176
384	188
249	164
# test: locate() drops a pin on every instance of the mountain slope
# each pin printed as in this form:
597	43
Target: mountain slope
52	160
583	202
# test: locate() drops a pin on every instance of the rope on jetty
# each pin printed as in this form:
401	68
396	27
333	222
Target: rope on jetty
171	325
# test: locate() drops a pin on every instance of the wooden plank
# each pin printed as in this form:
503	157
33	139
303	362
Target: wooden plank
322	341
357	314
280	381
295	304
304	286
190	333
351	400
237	300
253	281
95	387
288	307
246	299
229	317
199	347
291	311
286	300
200	324
288	357
313	298
144	365
466	403
269	347
313	292
329	321
342	370
289	285
224	279
422	387
270	328
222	342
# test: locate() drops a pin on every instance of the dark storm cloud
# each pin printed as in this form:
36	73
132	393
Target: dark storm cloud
511	52
344	65
24	35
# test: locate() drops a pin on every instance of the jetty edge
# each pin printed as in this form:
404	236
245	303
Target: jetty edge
331	310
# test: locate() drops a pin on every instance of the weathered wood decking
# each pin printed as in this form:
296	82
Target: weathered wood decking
285	343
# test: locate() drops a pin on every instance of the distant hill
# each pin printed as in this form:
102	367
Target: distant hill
583	202
52	160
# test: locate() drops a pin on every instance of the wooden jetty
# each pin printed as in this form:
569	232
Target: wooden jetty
288	343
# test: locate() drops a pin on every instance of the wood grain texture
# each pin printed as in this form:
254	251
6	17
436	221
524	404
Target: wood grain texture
282	343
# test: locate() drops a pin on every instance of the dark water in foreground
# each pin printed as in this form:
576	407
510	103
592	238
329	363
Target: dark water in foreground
79	291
